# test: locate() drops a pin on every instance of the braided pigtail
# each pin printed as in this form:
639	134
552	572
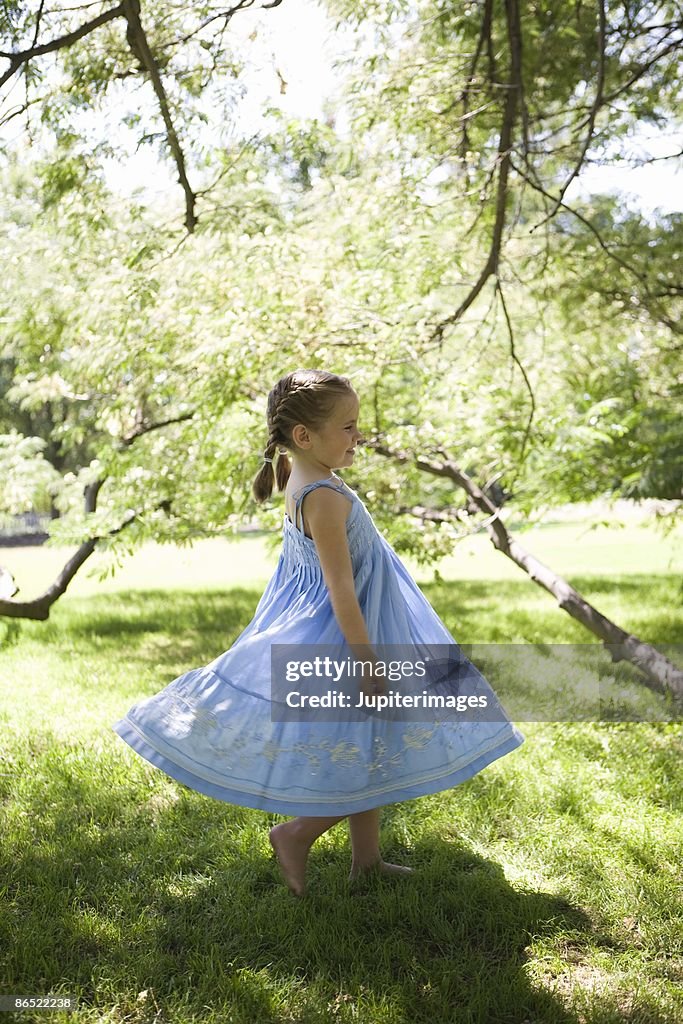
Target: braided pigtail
262	486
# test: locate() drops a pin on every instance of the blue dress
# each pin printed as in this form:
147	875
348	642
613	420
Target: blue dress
212	729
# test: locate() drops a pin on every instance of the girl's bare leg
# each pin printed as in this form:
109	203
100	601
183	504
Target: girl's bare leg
364	829
364	832
291	842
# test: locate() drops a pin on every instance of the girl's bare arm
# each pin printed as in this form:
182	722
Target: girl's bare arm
326	514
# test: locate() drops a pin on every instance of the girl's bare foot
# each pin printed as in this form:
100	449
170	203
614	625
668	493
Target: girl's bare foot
381	867
291	856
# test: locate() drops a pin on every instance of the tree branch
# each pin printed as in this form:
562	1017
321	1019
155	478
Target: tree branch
146	428
39	15
428	515
515	359
659	673
639	276
485	31
595	106
39	607
137	40
214	17
16	60
503	160
672	47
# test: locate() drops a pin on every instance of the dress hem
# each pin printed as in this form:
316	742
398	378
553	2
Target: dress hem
277	805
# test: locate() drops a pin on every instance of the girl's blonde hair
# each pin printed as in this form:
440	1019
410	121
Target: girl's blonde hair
303	396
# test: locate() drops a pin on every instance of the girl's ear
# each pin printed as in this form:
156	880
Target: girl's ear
300	435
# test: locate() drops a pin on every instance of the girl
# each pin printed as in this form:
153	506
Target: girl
337	581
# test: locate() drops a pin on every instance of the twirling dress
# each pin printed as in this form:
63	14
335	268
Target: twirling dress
212	728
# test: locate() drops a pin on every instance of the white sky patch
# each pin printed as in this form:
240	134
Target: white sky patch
650	187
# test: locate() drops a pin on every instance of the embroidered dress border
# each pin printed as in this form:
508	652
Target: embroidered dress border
213	778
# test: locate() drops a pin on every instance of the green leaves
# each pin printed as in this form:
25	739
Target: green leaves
26	477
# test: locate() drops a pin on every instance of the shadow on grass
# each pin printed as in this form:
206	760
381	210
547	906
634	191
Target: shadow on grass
153	627
117	887
174	612
165	635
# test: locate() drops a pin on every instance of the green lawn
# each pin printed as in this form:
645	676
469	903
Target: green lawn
548	887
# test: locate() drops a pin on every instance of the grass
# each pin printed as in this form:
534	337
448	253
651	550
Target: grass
548	887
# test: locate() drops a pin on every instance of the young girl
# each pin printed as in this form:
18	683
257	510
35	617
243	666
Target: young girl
337	580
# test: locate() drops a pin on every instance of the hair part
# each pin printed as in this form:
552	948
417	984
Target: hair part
303	396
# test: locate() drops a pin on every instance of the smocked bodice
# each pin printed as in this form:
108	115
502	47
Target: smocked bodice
299	550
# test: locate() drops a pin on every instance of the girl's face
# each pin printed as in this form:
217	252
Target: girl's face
334	444
341	433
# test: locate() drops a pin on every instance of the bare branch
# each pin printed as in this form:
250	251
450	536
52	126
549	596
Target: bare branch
137	40
19	110
503	160
16	60
226	15
39	607
38	17
634	161
516	360
659	673
608	250
146	428
517	79
672	47
228	167
595	106
428	515
465	95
